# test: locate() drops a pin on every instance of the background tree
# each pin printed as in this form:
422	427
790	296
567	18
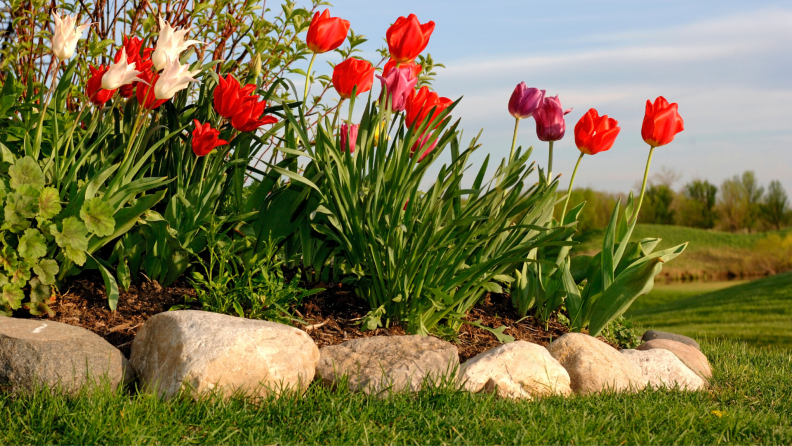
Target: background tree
740	201
697	207
776	205
658	207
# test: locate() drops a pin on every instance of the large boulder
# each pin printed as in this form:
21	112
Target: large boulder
208	352
690	356
651	335
383	364
36	352
518	370
663	369
595	366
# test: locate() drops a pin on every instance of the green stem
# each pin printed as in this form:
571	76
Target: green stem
42	113
514	138
643	186
338	110
550	163
308	79
571	182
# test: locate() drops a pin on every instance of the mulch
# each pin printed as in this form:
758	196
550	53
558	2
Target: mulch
330	317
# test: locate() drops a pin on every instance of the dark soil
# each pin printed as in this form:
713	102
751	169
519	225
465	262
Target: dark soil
330	317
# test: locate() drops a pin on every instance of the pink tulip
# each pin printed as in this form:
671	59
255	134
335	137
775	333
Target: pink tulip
349	135
398	83
549	116
524	100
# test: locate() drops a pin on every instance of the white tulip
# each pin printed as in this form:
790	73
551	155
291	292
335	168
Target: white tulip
174	78
170	43
65	38
120	74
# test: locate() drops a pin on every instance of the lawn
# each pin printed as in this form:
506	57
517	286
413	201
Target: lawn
749	402
758	312
710	253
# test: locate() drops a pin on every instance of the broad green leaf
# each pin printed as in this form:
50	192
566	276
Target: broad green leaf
49	205
39	295
46	269
608	266
12	296
98	216
32	245
111	286
75	255
73	235
26	171
623	291
492	287
20	273
20	206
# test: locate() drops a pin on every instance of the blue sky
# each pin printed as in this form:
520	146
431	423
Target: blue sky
726	63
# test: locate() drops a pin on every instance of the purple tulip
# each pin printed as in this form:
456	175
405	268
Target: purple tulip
524	100
549	116
399	83
349	135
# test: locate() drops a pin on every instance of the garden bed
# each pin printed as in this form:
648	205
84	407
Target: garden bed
330	317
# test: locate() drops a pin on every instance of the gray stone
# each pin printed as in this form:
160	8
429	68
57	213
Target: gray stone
595	366
383	364
689	356
204	352
41	352
651	335
517	370
663	369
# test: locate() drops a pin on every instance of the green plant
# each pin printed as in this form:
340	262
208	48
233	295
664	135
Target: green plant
258	291
623	332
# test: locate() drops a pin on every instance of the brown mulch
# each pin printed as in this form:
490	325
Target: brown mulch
83	303
331	317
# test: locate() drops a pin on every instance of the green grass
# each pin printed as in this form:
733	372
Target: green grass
710	253
663	293
758	312
749	402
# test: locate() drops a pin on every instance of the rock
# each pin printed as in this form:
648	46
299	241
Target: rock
518	370
651	335
663	369
209	352
595	366
383	364
689	356
41	352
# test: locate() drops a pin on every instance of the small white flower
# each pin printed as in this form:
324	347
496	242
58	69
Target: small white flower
65	38
174	78
120	74
170	43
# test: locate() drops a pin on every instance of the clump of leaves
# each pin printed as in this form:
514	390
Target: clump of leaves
36	235
622	332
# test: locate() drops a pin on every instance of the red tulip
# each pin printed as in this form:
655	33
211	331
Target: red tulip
248	118
93	88
145	93
594	133
407	38
349	135
421	103
142	62
415	69
205	139
326	33
350	73
228	95
661	122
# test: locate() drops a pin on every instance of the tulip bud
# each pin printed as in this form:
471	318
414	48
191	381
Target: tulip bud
174	78
349	134
549	117
255	66
524	100
64	40
170	44
398	83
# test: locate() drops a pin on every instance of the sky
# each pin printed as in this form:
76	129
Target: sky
726	63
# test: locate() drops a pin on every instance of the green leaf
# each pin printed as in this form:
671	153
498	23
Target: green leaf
623	291
124	276
49	205
12	296
608	266
20	206
26	171
46	270
75	255
111	286
32	245
492	287
98	216
72	238
20	273
39	295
